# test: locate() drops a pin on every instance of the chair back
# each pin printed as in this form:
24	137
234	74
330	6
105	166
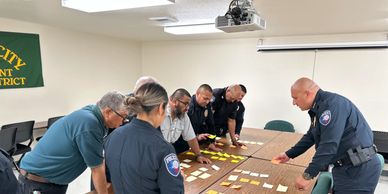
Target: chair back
7	139
52	120
23	132
280	125
382	161
323	184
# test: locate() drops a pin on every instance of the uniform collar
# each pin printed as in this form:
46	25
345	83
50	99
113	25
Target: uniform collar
195	103
97	112
168	110
223	96
318	97
145	124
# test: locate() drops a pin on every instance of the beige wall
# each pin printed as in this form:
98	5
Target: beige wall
357	74
78	68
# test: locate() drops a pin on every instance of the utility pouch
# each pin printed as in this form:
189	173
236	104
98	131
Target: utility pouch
358	156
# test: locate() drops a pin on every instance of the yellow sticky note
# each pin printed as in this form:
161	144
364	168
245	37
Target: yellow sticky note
220	154
274	161
241	157
211	192
233	156
222	159
190	153
214	157
211	136
213	153
244	180
234	161
225	184
255	182
206	152
226	155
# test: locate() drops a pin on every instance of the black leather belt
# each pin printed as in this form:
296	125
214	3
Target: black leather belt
369	153
33	177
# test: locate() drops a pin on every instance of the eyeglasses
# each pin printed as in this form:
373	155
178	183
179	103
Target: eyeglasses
118	114
184	103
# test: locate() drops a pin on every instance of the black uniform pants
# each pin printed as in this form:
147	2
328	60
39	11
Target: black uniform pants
361	179
28	186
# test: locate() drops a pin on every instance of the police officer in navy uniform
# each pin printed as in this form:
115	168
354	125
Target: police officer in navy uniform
138	157
342	137
224	106
201	116
240	111
8	182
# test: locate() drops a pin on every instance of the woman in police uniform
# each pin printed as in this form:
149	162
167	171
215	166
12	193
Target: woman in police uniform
137	156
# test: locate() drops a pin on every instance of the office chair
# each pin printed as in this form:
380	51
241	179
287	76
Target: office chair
7	139
280	125
50	121
23	134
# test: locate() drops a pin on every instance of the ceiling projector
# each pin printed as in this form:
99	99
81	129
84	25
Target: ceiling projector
240	17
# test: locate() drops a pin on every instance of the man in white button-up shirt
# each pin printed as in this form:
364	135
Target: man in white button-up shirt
176	127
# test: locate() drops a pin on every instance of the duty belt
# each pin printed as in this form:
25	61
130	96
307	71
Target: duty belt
368	153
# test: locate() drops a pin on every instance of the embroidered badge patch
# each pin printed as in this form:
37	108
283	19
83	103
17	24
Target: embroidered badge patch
325	118
172	164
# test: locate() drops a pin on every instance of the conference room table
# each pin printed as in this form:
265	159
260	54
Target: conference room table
262	146
257	158
282	143
278	174
254	139
40	125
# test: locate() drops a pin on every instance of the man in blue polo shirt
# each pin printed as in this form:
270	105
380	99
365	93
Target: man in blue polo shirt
72	144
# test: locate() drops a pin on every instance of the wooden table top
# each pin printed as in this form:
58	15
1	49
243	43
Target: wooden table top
284	174
40	125
199	184
252	135
282	143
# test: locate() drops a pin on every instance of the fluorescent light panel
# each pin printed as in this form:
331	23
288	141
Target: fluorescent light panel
192	29
324	46
109	5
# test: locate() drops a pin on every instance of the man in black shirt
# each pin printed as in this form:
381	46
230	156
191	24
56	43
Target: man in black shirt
224	107
201	116
240	111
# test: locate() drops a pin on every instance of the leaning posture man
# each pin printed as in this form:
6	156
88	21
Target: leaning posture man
72	144
342	137
176	127
225	107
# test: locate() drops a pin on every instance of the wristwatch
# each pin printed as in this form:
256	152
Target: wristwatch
307	176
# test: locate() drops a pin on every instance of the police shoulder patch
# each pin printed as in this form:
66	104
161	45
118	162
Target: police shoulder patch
325	118
172	164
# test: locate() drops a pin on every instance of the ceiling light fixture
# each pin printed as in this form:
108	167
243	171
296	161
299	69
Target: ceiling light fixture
109	5
192	29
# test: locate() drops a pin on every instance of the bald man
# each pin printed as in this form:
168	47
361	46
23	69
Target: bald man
342	137
225	106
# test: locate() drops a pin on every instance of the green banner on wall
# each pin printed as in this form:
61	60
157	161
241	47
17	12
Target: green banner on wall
20	61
